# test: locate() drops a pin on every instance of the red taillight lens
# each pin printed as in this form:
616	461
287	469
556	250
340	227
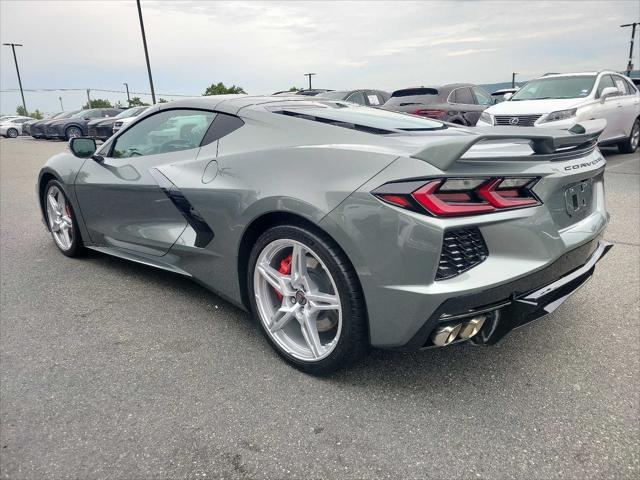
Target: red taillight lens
425	112
458	197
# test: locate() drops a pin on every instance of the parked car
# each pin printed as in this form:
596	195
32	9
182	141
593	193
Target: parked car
503	94
307	92
459	103
636	82
26	126
37	129
12	127
103	128
367	98
561	100
341	226
77	125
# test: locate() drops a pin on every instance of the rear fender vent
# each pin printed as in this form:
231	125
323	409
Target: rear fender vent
462	249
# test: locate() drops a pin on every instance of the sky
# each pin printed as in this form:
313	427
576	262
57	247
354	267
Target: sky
269	46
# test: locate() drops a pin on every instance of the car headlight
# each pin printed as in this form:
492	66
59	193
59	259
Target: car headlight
486	118
559	115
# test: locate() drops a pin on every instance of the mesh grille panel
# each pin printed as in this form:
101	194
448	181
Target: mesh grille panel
462	249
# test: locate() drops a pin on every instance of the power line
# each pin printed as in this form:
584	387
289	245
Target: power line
104	90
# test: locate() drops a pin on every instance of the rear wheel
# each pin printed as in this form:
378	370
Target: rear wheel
307	299
72	132
12	133
630	145
62	221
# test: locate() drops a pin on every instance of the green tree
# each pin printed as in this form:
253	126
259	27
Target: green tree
97	103
136	102
220	89
37	114
295	89
162	100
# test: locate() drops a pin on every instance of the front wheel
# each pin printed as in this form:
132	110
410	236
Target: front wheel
630	145
12	133
62	221
307	299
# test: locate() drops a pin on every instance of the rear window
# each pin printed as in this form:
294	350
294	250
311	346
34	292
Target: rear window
369	120
413	96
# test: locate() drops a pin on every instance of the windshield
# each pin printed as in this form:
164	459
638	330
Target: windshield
129	112
81	113
333	95
68	114
372	120
575	86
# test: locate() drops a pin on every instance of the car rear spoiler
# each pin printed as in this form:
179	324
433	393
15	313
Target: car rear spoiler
547	144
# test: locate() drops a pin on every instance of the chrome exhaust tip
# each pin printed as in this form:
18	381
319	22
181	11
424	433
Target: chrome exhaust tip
472	327
445	335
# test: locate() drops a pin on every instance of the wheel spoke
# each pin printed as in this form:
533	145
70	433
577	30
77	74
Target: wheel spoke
54	204
66	236
282	316
299	274
310	334
276	279
55	226
323	301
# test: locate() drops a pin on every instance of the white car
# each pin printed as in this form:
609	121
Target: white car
120	123
12	127
562	100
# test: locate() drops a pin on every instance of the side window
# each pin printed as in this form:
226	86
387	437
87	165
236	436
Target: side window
482	97
93	114
357	97
622	85
222	125
166	131
373	98
463	95
605	81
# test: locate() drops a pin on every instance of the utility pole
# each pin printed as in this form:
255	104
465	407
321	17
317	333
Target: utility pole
309	75
146	53
15	59
633	36
513	79
61	107
128	97
88	99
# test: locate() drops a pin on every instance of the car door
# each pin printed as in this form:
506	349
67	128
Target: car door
608	109
124	199
483	100
628	105
464	103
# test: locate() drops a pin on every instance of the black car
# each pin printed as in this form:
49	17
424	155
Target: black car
102	128
26	127
369	98
460	103
37	129
77	125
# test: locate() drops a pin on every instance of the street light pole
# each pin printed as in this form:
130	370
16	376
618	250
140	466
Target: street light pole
128	97
146	52
15	59
633	36
309	75
61	107
513	79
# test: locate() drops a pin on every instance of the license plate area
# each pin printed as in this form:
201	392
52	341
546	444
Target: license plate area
579	198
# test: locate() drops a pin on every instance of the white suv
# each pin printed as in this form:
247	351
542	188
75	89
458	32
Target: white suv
561	100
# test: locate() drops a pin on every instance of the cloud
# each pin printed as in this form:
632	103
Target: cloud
469	51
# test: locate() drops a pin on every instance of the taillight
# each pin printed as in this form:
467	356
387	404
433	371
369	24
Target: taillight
455	197
425	112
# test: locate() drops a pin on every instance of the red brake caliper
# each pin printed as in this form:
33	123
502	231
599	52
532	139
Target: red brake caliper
285	269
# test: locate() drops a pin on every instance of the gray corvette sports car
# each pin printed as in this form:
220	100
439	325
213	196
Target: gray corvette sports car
338	226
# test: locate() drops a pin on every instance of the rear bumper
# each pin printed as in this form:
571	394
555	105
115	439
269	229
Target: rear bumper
517	303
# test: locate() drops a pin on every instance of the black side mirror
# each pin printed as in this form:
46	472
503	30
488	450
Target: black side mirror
83	147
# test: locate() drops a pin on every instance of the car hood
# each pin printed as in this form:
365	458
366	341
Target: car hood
525	107
102	121
62	121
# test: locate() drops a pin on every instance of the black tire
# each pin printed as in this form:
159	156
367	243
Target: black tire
354	340
630	145
71	132
12	133
77	245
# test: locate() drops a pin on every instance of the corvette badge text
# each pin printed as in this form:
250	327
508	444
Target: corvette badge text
578	166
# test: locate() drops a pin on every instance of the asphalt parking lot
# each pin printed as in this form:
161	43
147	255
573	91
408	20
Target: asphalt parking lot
115	370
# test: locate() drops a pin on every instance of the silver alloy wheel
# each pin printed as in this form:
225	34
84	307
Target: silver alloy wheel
301	311
73	132
59	217
635	135
12	133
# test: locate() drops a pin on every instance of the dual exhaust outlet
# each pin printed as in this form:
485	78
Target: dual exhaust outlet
446	334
